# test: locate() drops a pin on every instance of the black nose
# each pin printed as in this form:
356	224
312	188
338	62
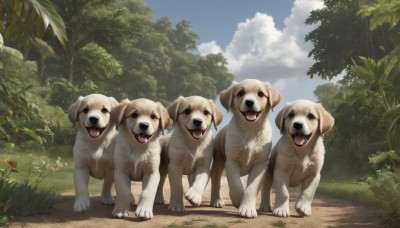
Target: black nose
197	122
249	103
94	120
298	125
143	126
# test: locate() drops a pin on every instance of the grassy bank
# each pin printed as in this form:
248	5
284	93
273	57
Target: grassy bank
350	191
39	166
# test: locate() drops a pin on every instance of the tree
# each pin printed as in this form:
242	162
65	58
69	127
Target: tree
23	21
342	35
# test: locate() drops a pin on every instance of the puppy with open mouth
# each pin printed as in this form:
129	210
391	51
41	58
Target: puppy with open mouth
244	145
137	153
94	147
298	157
188	150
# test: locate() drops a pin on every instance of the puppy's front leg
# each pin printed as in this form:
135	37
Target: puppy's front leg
159	200
81	181
106	196
281	183
150	181
256	177
265	204
234	182
195	193
216	173
123	189
303	204
175	173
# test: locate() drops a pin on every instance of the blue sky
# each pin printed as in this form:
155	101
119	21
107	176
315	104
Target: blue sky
262	39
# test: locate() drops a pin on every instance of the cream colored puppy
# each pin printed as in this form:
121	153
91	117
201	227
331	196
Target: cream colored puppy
94	147
137	153
189	149
244	145
298	156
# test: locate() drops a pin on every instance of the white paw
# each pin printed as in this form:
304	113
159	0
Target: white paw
176	207
193	197
81	205
303	208
219	203
144	212
266	207
281	212
247	212
107	200
120	213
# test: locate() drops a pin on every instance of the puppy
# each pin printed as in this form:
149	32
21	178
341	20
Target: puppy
298	156
137	153
244	145
189	149
94	147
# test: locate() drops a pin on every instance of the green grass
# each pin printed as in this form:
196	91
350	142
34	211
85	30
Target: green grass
353	192
59	181
237	221
280	224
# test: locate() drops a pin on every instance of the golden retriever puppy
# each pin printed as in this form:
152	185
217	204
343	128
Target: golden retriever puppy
94	147
298	156
137	153
189	149
244	145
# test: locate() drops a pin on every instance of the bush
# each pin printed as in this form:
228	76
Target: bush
386	189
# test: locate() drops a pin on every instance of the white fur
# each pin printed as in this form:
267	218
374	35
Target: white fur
292	165
244	145
93	156
136	160
186	155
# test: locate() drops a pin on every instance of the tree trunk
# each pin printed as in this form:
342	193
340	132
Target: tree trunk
70	68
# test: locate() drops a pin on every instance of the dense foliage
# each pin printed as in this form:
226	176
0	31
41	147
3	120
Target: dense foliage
365	103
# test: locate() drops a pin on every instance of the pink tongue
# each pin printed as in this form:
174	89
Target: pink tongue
94	132
251	115
299	139
197	134
142	138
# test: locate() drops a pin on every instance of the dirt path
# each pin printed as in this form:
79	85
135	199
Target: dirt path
326	212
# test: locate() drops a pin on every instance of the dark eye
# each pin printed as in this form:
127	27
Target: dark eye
134	115
104	110
260	94
291	115
187	111
241	93
153	116
85	110
206	113
310	116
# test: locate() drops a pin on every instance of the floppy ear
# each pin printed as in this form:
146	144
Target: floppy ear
73	110
113	102
226	97
274	97
279	119
173	108
326	121
164	117
217	114
117	113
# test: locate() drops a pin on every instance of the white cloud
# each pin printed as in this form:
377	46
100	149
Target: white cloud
259	50
209	48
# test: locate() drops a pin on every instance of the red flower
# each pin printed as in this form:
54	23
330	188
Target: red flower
12	164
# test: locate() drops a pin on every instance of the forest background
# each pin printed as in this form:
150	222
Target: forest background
54	51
